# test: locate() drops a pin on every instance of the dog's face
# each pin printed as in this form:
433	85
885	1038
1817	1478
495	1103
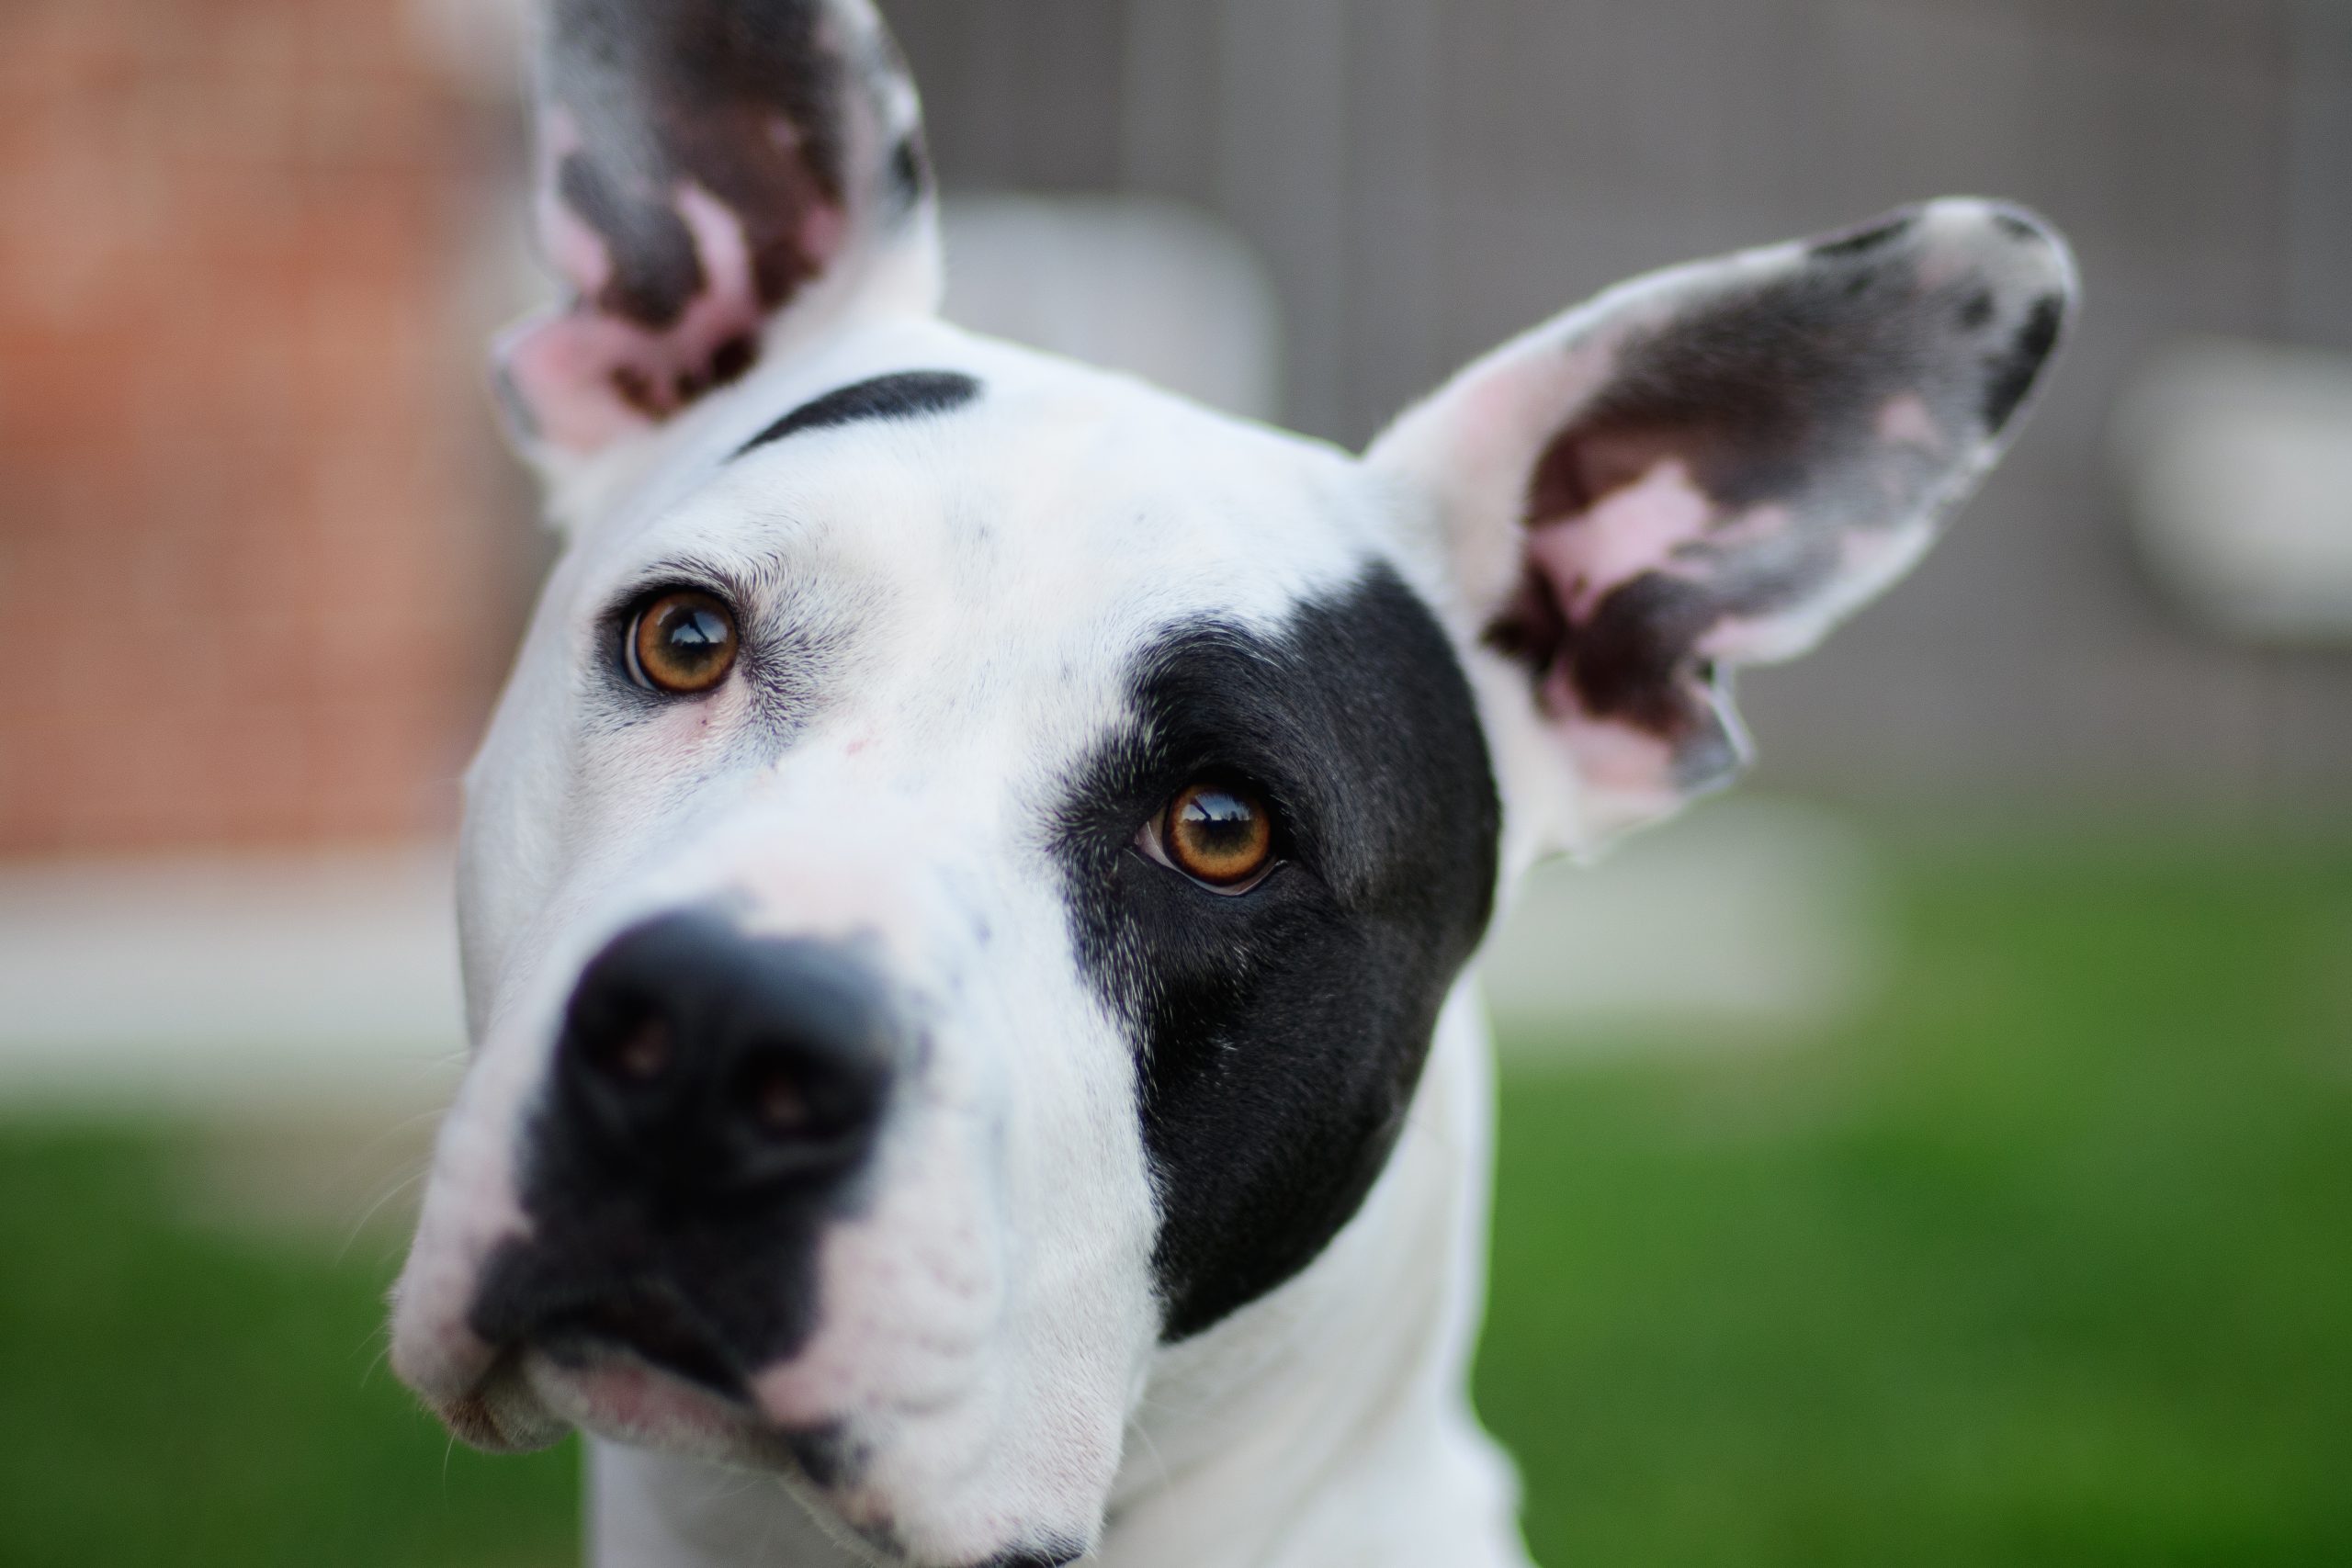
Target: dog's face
959	890
1024	951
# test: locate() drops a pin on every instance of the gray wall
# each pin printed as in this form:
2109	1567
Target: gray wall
1428	176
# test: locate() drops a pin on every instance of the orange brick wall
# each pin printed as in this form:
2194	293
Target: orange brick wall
251	557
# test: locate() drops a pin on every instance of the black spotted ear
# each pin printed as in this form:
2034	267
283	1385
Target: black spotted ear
717	179
1709	468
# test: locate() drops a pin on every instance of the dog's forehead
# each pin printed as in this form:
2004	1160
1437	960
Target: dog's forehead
938	482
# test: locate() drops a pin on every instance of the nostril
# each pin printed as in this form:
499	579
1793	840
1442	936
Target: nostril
776	1092
639	1055
695	1056
793	1100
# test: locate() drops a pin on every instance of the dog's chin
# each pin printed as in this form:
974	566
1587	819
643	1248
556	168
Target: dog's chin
502	1414
537	1396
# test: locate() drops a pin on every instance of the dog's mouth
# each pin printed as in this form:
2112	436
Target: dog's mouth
613	1392
538	1391
648	1327
633	1367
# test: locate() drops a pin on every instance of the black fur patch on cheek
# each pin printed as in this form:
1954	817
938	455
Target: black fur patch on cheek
910	394
1280	1035
2011	374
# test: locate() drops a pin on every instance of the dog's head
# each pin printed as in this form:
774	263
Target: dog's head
959	889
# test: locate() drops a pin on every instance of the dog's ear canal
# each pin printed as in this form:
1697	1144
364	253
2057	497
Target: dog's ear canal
718	180
1709	468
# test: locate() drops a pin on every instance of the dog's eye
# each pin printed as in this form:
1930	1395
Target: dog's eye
683	642
1220	835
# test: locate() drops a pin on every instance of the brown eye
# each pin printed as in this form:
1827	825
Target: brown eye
683	643
1220	834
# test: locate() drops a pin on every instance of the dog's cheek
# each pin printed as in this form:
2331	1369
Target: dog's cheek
469	1212
983	1324
472	1208
910	1289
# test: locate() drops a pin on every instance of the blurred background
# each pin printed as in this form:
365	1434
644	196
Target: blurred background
1940	1153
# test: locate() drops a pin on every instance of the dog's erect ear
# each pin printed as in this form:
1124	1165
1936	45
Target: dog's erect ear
718	180
1709	467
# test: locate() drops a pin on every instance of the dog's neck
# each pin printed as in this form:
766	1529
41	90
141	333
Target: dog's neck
1325	1425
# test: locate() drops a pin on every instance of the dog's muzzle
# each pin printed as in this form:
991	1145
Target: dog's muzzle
714	1100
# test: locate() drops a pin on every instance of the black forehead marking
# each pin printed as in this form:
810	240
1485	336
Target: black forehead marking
1280	1035
909	394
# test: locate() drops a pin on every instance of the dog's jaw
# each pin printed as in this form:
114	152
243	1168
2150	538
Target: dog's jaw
1325	1427
469	1211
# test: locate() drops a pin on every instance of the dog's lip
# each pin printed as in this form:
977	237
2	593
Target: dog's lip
654	1327
501	1412
609	1388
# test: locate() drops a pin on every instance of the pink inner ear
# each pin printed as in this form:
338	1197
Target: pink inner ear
1721	462
1632	770
586	377
1633	530
1617	551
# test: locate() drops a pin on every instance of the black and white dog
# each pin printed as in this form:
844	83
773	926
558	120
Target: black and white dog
968	895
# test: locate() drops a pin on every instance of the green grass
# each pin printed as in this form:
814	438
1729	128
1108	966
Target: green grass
174	1393
2046	1259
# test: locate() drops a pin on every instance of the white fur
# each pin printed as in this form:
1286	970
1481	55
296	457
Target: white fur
975	586
982	582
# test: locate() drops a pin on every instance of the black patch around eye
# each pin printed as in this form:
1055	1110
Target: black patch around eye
1280	1037
909	394
2011	374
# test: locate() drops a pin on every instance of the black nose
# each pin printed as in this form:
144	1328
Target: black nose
715	1064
